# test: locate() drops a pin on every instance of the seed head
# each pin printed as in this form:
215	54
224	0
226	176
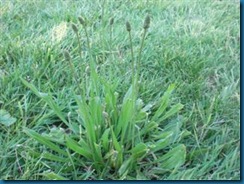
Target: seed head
128	27
67	55
74	27
146	22
82	21
111	21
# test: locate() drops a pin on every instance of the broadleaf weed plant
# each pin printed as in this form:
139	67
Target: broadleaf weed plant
112	140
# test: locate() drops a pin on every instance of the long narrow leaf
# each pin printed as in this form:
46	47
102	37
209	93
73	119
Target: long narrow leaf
139	151
48	99
163	102
174	109
73	145
124	167
96	111
53	157
117	147
174	158
149	127
164	141
105	140
33	88
54	176
84	112
98	154
44	141
125	118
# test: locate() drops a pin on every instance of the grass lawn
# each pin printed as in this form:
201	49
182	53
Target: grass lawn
95	97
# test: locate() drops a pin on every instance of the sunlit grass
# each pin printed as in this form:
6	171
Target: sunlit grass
194	45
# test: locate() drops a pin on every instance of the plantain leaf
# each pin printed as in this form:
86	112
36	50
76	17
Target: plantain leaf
164	140
174	158
53	157
96	110
149	127
54	176
163	102
174	109
73	145
44	141
117	147
105	140
139	151
175	126
48	99
85	113
126	116
124	167
98	154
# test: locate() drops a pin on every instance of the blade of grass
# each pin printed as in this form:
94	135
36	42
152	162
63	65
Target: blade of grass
54	176
53	157
48	99
44	141
163	102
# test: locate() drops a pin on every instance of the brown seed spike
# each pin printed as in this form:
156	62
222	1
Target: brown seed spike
128	27
82	21
66	55
146	22
74	27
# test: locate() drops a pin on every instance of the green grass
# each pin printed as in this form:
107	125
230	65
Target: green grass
60	119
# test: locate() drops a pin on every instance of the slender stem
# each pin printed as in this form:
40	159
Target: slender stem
80	50
78	37
103	30
110	48
92	63
140	51
110	38
74	74
94	76
132	59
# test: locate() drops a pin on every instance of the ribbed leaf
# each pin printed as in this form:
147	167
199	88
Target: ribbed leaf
128	95
111	103
116	144
126	116
48	99
53	157
174	126
163	102
33	88
54	176
98	154
96	111
149	127
84	112
44	141
105	140
124	167
174	158
174	109
164	140
139	151
117	147
73	145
